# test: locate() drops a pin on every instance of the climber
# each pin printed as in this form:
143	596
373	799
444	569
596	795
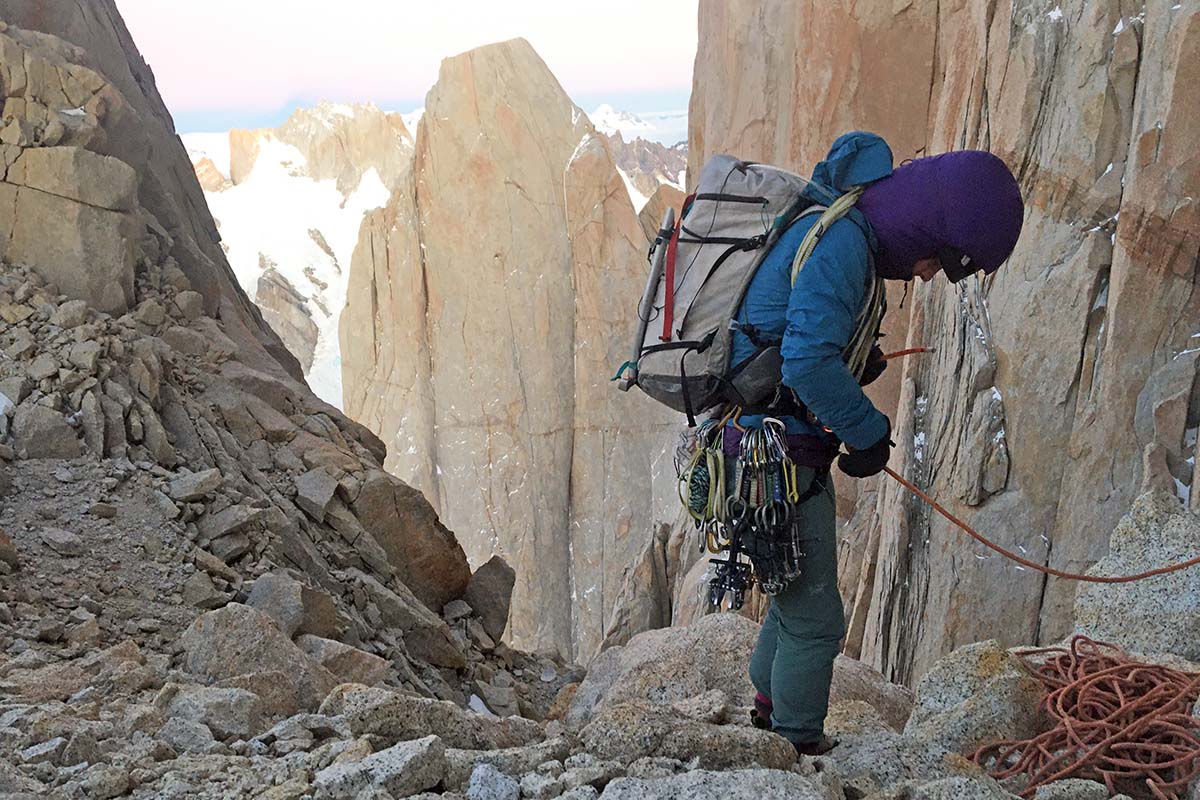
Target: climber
959	213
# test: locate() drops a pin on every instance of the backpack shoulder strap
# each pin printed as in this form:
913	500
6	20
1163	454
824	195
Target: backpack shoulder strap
872	312
836	210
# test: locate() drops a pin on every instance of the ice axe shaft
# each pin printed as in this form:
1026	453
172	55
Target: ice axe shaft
646	307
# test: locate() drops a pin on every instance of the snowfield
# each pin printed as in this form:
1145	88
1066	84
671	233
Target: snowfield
265	222
665	127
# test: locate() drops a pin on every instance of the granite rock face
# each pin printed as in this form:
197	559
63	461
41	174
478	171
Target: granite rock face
1094	109
488	306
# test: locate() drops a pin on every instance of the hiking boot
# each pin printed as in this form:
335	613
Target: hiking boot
817	748
760	720
760	715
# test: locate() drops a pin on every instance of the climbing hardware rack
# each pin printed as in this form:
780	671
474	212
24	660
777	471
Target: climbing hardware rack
749	513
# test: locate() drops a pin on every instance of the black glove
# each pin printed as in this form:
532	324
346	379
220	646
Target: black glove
870	461
874	367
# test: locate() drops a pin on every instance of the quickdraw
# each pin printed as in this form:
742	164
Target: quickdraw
754	517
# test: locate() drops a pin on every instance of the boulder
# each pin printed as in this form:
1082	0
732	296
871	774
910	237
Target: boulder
295	607
1075	789
314	492
671	664
85	356
489	594
87	251
749	784
348	664
399	717
854	680
227	522
537	786
426	556
8	551
13	782
640	729
187	736
43	367
489	783
215	646
870	756
1156	615
199	591
957	788
977	695
65	543
49	751
77	174
227	713
41	432
70	314
594	774
401	770
460	764
189	487
104	781
426	635
579	793
278	692
190	304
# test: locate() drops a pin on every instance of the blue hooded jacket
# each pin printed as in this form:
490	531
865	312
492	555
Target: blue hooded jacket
966	199
816	318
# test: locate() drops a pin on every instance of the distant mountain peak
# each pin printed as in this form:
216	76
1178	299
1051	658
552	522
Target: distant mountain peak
609	120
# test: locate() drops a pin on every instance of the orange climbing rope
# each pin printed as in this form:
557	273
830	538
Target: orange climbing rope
910	352
979	537
1127	724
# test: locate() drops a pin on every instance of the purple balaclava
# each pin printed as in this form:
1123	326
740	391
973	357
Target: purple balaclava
967	200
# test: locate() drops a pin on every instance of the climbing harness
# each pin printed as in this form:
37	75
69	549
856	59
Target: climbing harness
752	514
1126	724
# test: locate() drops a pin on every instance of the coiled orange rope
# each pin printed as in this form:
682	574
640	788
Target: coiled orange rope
1129	725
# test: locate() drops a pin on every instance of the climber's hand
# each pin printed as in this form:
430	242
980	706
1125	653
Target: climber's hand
869	461
875	366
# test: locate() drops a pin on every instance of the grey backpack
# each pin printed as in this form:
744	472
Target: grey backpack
701	267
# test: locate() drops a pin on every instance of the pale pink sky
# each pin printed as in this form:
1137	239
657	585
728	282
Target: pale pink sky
251	57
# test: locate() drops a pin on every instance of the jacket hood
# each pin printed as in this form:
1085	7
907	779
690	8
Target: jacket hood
855	159
968	200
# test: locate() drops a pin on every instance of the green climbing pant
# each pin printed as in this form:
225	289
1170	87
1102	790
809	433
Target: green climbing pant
793	660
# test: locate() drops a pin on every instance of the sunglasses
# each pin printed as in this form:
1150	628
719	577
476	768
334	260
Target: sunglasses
955	263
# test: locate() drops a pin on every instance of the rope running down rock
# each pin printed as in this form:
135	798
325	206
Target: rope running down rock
1127	724
977	536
